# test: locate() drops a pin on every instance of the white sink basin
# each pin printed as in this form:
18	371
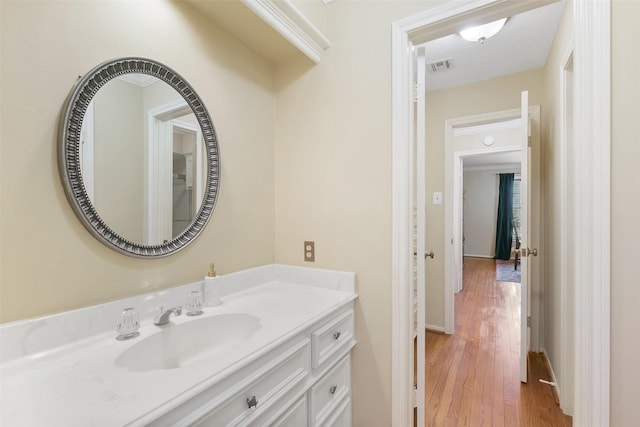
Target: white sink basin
176	346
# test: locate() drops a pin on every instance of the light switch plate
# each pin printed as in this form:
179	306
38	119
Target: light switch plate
437	198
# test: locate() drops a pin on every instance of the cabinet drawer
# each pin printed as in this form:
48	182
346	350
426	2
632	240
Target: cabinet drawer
340	417
295	416
330	392
252	398
330	338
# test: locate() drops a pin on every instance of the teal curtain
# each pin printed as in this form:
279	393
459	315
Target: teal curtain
505	217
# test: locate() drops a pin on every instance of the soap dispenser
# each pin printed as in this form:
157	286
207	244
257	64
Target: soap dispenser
211	291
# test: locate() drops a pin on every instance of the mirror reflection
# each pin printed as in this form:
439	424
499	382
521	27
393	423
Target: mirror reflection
142	159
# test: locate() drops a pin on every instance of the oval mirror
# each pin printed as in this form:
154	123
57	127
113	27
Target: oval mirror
138	157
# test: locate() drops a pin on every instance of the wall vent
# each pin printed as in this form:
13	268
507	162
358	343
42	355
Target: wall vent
440	65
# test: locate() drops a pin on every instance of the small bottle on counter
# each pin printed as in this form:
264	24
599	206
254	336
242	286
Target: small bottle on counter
210	288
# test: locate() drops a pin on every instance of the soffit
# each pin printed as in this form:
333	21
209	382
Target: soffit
241	22
276	29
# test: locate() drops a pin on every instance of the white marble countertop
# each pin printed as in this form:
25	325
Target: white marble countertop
77	384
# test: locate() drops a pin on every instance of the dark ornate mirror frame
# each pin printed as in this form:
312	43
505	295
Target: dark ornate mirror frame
69	155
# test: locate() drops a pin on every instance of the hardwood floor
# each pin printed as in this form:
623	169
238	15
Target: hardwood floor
473	376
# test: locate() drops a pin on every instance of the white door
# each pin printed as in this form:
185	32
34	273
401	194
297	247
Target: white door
525	212
418	240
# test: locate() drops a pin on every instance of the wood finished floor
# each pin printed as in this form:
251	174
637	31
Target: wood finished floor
473	376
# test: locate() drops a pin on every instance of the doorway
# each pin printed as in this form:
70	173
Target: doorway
592	44
510	132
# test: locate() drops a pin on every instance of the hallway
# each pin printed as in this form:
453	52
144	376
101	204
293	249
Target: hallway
472	377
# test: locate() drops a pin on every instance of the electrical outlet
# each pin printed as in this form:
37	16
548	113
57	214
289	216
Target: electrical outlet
310	251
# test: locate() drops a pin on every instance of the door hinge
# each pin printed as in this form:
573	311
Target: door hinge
529	141
416	90
529	321
414	395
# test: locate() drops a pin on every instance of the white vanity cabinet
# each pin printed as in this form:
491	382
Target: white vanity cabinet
303	382
275	352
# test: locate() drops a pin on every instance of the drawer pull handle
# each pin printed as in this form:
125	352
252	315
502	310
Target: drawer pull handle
333	389
252	403
336	335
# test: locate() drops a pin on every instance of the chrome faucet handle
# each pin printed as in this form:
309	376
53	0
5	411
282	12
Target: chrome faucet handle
163	317
194	303
128	324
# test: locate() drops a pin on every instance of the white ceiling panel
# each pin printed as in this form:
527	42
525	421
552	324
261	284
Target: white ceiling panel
523	44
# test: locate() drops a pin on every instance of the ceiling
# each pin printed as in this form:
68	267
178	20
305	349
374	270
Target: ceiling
523	44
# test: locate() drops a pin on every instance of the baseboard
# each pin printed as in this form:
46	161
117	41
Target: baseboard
478	256
433	328
547	362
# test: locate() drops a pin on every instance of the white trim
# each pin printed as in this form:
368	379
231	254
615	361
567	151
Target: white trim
284	17
402	347
553	378
478	256
567	257
159	171
506	168
421	203
487	127
592	77
526	232
592	116
434	328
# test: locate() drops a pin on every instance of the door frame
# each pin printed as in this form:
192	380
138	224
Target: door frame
159	170
453	226
567	221
592	58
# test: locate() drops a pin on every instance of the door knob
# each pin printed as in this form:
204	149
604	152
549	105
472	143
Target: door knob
529	252
429	254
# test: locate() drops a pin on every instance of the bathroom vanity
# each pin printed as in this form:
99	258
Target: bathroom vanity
276	352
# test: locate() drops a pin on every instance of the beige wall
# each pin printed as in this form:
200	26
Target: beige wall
480	213
333	177
50	263
553	171
119	157
625	227
314	11
333	129
502	93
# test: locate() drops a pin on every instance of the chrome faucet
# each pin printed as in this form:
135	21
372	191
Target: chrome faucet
163	317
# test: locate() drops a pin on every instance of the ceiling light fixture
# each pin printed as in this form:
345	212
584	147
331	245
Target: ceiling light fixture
483	32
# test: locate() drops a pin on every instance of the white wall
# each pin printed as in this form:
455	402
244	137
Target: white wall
480	213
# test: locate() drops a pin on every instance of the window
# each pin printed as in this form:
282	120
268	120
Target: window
516	205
